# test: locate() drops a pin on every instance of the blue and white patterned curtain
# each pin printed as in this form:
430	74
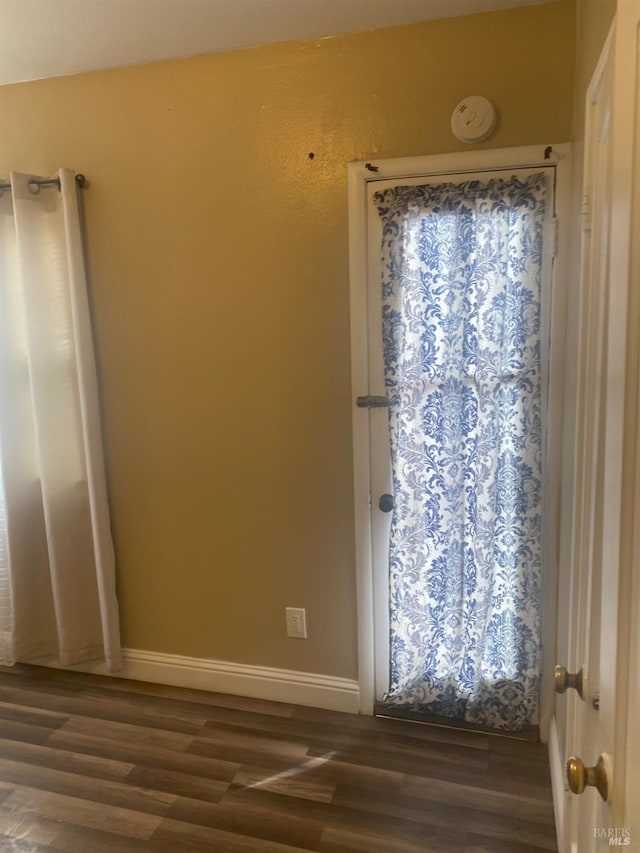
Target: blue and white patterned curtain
462	267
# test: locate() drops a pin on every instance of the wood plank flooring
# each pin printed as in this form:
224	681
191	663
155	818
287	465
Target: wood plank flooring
95	765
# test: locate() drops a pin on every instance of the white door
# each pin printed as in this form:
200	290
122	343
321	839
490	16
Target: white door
373	480
601	807
589	448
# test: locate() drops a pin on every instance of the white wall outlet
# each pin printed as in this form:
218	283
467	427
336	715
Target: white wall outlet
296	622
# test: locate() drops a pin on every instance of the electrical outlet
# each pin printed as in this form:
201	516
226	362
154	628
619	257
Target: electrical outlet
296	622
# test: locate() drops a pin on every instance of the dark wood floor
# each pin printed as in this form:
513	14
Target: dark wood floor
91	765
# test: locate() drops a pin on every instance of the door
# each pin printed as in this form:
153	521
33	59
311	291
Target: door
591	478
602	795
371	418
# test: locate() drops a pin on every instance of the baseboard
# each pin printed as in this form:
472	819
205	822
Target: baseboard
558	788
258	682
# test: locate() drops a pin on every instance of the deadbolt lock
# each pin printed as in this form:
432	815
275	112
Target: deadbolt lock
386	503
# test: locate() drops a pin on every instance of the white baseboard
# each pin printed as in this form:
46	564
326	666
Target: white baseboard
258	682
558	787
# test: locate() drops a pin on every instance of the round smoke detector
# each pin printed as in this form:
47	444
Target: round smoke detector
474	119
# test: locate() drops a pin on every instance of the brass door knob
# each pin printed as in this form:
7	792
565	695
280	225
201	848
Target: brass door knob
564	680
580	777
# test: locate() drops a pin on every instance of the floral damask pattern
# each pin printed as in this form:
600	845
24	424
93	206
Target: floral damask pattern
461	327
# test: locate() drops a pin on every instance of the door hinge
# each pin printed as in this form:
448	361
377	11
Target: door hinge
586	211
554	237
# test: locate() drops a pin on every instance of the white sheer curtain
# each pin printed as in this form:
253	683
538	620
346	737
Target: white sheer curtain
57	569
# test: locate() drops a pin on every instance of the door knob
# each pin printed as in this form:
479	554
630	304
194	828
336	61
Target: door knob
580	777
564	680
386	503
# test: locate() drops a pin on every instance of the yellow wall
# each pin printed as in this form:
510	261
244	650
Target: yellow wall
218	252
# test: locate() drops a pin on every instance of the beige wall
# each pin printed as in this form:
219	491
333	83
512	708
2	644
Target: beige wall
218	252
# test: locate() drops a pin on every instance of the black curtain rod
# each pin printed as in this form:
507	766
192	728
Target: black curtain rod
81	182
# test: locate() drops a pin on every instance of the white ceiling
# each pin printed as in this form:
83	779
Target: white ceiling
49	38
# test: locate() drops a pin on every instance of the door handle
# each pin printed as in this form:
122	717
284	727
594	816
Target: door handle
580	777
564	680
372	401
386	503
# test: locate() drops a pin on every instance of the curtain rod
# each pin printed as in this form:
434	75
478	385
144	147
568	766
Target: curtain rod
81	182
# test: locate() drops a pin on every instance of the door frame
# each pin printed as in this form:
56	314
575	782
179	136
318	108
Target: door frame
625	264
360	175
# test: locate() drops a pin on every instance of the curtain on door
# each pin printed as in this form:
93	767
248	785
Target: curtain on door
461	326
57	575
